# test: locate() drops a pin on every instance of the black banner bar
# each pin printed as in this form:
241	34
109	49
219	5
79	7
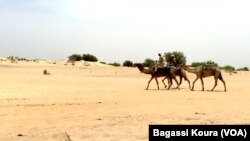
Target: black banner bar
199	132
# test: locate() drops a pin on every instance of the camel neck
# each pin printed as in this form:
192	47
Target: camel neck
143	70
193	70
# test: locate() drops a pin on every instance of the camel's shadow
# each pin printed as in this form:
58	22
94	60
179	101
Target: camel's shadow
171	89
214	91
178	89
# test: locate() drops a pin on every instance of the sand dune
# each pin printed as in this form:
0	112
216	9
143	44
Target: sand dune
101	102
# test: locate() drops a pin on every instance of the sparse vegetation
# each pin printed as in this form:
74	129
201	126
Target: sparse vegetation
128	63
115	64
12	59
243	69
67	137
196	64
228	68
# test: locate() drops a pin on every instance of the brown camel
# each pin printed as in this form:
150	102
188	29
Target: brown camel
161	72
179	72
205	71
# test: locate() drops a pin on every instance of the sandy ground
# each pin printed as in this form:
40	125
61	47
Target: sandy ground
108	103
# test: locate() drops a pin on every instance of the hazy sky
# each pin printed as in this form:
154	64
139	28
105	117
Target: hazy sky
117	30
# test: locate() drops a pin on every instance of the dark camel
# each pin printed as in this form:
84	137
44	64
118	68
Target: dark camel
161	72
179	72
206	71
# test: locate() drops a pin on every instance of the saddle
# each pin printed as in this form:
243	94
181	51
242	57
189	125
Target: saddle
207	66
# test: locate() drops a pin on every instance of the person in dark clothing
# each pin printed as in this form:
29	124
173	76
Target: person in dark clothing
173	61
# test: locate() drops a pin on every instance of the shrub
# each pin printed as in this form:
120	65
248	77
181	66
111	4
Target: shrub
45	72
148	62
89	57
75	57
115	64
228	68
243	69
128	63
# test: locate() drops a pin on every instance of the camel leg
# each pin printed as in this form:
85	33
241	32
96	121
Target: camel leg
173	76
170	83
164	82
224	83
215	84
202	83
157	83
185	77
180	80
194	82
189	84
149	82
178	84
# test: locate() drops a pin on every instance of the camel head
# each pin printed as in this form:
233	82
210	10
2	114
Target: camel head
142	69
139	66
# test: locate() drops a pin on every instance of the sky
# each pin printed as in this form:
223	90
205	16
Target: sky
119	30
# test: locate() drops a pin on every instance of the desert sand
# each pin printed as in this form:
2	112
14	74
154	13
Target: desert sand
106	103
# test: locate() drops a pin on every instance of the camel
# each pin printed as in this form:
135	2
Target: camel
161	72
205	71
179	72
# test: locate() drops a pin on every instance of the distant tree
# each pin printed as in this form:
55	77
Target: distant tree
103	62
12	59
115	64
75	57
20	59
128	63
180	57
196	64
148	62
228	68
243	69
89	57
